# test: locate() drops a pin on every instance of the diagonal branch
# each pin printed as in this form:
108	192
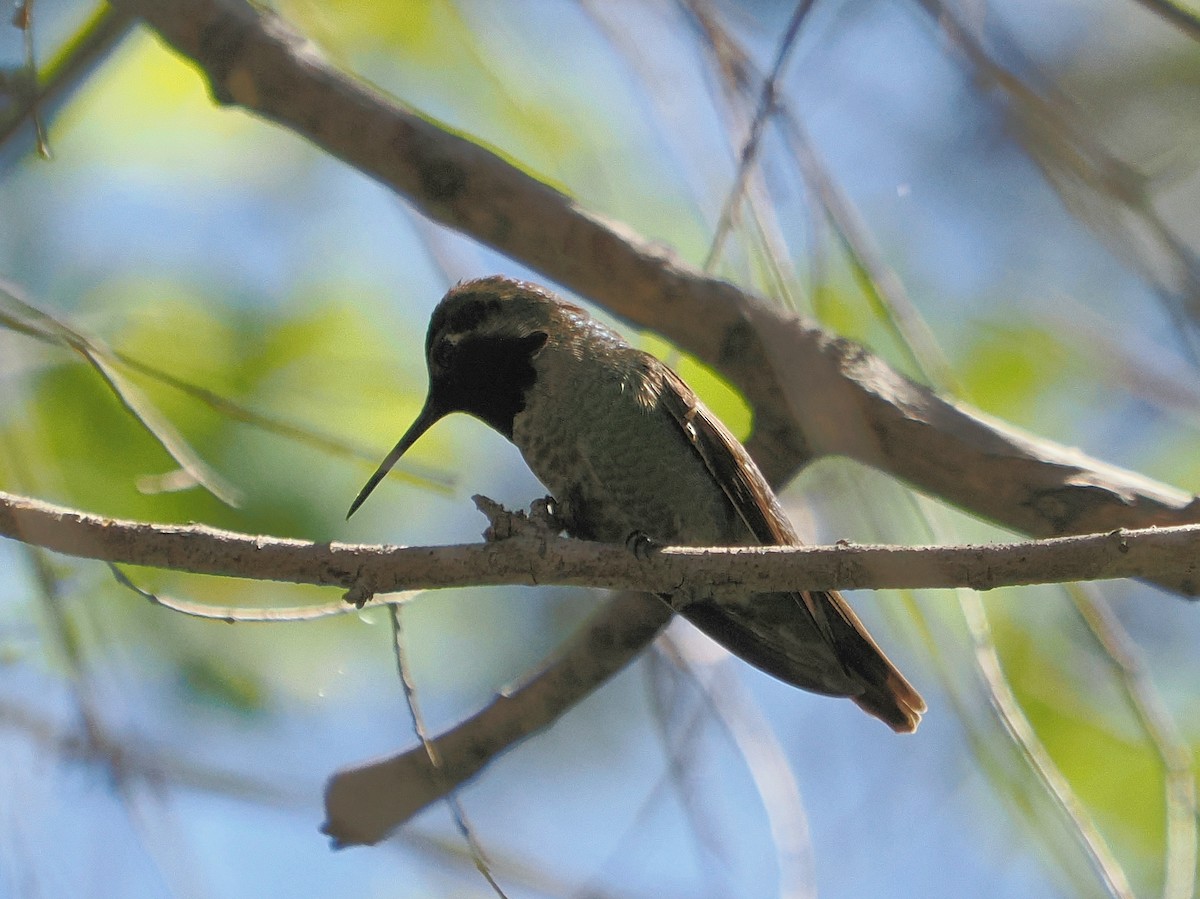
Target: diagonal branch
748	158
363	804
1177	14
65	72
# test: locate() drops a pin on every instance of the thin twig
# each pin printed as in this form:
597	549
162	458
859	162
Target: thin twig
23	19
19	314
62	75
250	614
1024	737
23	317
1111	874
100	743
1051	130
1182	832
177	771
774	780
679	726
365	803
771	247
749	154
881	283
418	721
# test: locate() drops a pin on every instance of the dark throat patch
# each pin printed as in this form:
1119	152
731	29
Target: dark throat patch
488	378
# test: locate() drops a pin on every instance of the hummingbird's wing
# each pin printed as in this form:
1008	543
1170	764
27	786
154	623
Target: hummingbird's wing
728	462
808	638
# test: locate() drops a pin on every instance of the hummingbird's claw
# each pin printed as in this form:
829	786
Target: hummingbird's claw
544	512
642	545
359	595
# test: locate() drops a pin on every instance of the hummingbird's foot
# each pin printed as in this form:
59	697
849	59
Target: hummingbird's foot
359	595
539	523
544	512
642	545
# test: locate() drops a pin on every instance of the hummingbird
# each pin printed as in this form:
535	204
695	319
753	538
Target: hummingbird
627	449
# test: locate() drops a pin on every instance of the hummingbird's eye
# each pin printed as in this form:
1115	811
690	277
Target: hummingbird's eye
442	354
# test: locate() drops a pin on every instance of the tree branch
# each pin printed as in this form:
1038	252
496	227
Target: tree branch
683	571
364	803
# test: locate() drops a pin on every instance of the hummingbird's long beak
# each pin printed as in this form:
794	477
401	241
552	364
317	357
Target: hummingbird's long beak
430	413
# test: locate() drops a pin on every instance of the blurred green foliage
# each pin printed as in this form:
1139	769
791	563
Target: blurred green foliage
203	242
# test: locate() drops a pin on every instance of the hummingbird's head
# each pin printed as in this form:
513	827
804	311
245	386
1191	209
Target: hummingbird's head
480	351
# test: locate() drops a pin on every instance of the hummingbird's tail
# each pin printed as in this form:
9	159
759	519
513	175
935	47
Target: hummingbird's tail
886	693
813	641
892	700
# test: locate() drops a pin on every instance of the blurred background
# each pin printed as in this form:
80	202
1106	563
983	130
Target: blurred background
999	198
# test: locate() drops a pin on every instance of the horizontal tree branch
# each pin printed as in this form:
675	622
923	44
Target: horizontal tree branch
812	394
366	570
